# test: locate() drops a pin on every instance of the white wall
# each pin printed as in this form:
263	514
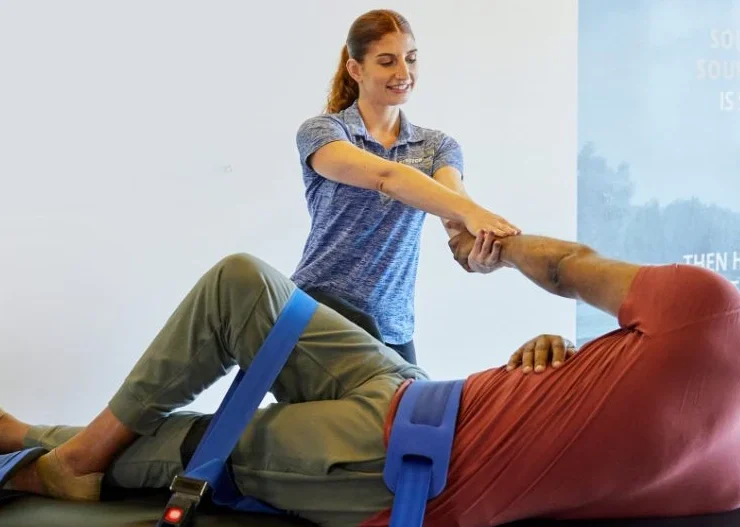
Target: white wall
142	141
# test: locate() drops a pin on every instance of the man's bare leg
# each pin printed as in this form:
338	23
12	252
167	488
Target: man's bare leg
12	432
96	445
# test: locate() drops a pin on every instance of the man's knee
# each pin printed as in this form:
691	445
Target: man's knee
246	271
241	267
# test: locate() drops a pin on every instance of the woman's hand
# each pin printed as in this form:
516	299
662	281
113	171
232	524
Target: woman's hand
535	354
481	220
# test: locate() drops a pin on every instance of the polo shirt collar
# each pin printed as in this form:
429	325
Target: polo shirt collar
408	133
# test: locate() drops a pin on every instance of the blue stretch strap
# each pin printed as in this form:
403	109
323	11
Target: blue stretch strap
13	462
242	400
420	447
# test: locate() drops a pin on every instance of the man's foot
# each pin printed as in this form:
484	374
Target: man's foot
59	480
12	432
50	476
74	470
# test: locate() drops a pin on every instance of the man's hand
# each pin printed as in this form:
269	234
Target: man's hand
485	256
461	245
535	354
476	254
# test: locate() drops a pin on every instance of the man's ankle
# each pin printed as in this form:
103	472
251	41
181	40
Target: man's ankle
75	459
12	433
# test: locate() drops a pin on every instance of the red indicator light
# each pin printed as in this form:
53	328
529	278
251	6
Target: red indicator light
173	515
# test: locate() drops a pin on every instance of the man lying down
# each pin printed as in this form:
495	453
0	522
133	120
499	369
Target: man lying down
643	421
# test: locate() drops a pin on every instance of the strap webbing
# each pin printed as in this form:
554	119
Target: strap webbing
242	400
420	447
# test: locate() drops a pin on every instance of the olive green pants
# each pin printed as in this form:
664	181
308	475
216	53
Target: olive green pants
318	451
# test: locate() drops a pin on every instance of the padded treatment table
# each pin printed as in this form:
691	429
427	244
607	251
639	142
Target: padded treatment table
144	510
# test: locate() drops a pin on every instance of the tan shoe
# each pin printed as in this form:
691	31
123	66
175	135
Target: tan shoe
58	480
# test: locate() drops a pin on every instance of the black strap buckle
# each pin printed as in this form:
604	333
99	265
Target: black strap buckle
187	494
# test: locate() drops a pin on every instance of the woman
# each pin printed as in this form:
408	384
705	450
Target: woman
371	176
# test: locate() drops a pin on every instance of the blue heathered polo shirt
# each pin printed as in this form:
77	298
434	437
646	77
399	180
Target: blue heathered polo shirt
363	246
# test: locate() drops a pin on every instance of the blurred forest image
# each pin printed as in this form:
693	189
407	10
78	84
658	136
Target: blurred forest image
682	231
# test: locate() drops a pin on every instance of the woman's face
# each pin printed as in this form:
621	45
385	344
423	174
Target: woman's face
388	73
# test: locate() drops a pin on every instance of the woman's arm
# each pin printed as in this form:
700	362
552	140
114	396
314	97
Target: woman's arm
451	178
343	162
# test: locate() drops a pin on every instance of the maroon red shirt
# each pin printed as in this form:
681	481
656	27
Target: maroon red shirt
644	420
